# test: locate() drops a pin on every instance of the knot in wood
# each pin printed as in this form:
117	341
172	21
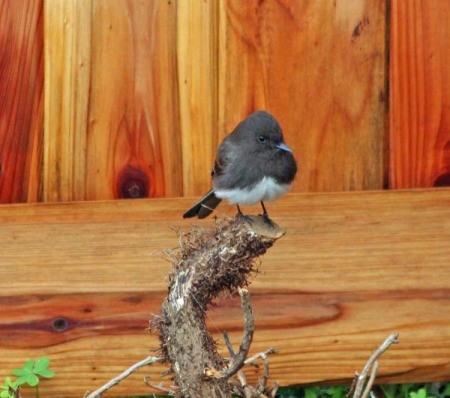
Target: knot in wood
133	183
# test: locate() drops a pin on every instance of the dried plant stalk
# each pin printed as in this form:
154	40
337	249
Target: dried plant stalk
209	264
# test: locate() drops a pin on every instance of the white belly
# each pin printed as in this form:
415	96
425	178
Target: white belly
266	190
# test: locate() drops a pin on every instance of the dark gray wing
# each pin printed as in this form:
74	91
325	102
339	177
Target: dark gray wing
223	159
237	165
210	201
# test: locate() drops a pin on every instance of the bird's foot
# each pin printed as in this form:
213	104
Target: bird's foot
245	218
262	225
267	220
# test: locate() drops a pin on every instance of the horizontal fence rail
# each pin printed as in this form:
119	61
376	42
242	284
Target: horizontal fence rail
81	280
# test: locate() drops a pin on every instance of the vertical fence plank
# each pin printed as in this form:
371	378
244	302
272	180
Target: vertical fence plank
320	67
159	97
113	121
67	80
420	94
197	26
21	99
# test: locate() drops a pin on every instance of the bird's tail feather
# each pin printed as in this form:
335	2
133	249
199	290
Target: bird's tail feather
204	207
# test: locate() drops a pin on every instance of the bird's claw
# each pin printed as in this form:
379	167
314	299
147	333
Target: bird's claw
267	220
245	218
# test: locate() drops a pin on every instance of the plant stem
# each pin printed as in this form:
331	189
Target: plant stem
37	390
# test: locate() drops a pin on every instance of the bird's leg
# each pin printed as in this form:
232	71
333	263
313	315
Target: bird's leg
267	220
265	215
242	216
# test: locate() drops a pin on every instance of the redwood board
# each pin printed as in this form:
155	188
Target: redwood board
81	280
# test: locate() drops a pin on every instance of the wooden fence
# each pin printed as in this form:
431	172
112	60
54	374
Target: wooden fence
109	99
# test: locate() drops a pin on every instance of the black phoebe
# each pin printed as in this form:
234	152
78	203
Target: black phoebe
253	164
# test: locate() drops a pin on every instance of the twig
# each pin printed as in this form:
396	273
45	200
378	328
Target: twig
159	387
392	339
147	361
273	391
246	389
373	374
251	360
249	328
352	387
260	390
229	346
243	388
262	383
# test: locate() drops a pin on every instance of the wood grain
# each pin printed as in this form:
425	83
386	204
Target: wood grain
112	119
21	99
320	68
197	45
143	117
67	80
420	94
352	268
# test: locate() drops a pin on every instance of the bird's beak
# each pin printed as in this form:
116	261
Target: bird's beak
284	147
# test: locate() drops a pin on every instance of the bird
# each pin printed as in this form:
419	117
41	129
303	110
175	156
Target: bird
253	164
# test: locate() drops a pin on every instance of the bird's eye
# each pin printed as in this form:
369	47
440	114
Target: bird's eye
261	139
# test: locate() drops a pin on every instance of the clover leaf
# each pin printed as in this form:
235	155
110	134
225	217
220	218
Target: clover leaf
29	373
41	368
6	388
422	393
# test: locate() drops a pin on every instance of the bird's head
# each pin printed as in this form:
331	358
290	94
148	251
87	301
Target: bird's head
266	132
269	140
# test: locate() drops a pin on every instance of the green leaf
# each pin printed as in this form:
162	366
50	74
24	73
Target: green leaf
41	368
25	373
6	386
20	372
311	392
25	369
47	373
337	392
29	373
32	380
29	365
41	365
21	380
421	393
390	390
447	391
285	392
406	388
8	383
